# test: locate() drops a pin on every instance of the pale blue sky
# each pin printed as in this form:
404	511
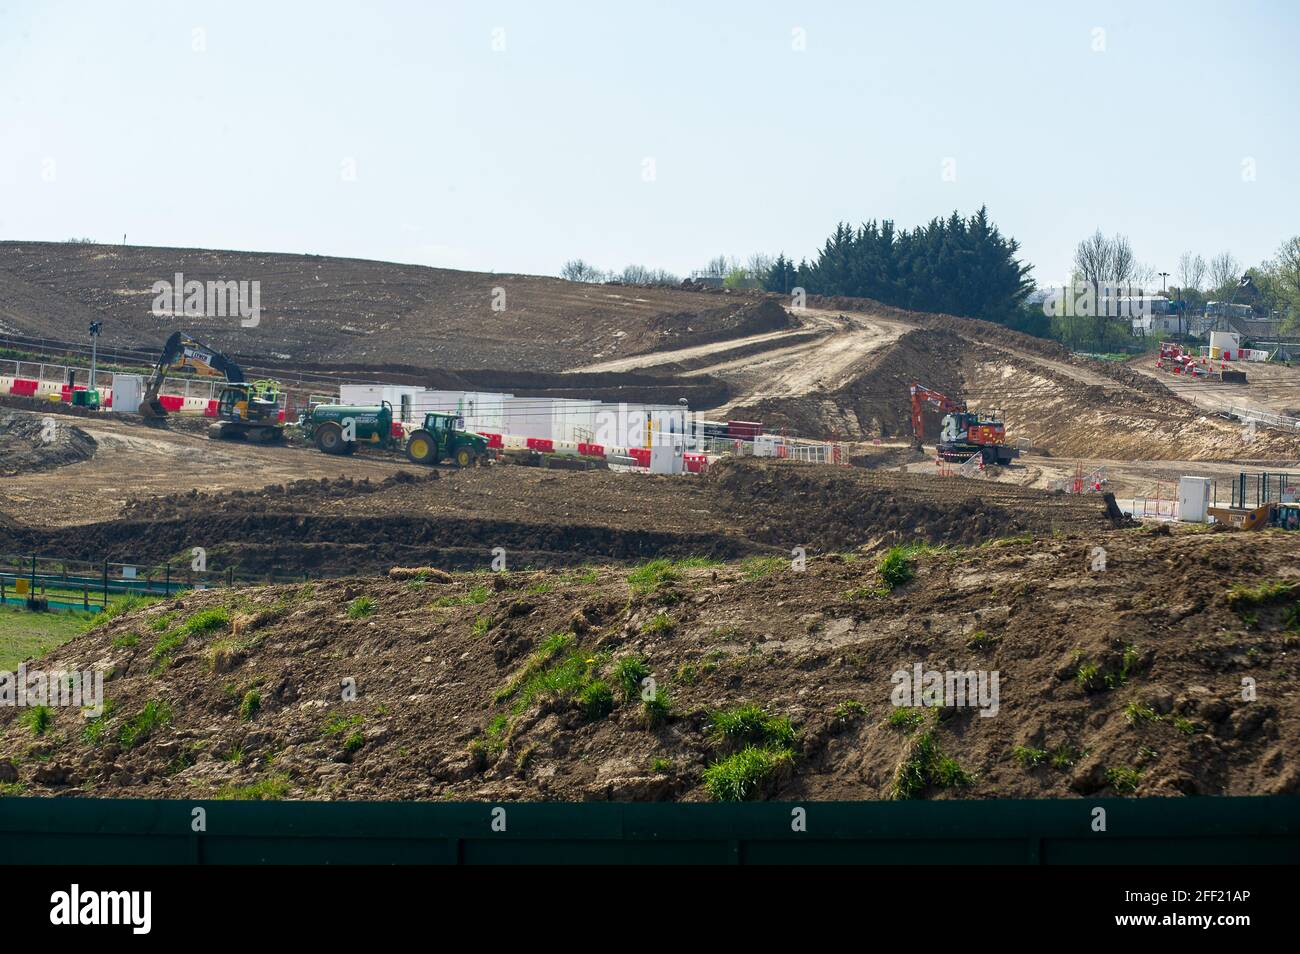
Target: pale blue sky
467	157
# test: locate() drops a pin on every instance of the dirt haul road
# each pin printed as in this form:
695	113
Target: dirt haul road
821	354
526	686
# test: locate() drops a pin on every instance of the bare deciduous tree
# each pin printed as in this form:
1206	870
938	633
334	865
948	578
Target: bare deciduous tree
1224	270
576	270
1100	261
1191	272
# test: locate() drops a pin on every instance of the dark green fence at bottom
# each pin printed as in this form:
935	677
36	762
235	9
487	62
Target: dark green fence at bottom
1255	830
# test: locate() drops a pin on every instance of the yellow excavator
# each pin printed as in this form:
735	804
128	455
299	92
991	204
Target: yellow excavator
248	410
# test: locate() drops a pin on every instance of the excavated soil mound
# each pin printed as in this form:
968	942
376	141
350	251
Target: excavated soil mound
876	402
454	520
31	442
1127	680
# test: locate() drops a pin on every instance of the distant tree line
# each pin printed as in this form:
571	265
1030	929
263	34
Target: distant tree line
958	266
577	270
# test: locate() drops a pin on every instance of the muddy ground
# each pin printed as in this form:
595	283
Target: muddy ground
1141	678
455	519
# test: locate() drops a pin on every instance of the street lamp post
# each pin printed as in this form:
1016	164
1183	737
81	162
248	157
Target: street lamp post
94	349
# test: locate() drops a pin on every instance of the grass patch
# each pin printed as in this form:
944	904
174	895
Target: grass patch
1241	597
750	725
361	607
552	646
338	724
660	625
925	766
757	567
38	719
1028	757
26	635
905	717
250	705
476	596
629	673
269	789
1123	779
155	714
982	640
739	777
1135	714
1064	757
849	709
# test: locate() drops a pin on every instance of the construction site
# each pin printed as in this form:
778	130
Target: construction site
763	513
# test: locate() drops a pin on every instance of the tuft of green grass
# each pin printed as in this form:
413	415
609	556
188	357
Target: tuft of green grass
1123	779
757	567
648	578
537	661
250	705
596	700
124	605
38	719
895	567
1136	713
481	626
1064	757
1029	757
361	607
750	725
657	708
739	777
659	625
629	673
925	766
1242	597
339	724
353	742
849	709
982	640
661	766
905	717
269	789
476	596
1088	677
155	714
1187	726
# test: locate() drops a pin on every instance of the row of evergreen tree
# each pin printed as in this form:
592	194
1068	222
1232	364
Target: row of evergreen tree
956	266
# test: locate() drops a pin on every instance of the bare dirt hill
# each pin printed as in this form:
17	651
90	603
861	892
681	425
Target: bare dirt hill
1154	677
319	311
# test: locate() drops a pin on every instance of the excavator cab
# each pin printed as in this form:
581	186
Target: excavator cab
249	410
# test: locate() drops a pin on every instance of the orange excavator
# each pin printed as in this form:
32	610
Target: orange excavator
963	432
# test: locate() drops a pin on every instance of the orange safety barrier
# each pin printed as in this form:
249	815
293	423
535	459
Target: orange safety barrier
541	444
591	450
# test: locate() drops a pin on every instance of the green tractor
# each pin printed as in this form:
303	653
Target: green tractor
443	438
339	428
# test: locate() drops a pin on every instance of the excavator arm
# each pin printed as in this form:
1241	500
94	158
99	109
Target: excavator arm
183	352
921	396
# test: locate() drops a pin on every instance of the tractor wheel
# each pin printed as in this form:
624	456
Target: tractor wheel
329	439
465	457
422	448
